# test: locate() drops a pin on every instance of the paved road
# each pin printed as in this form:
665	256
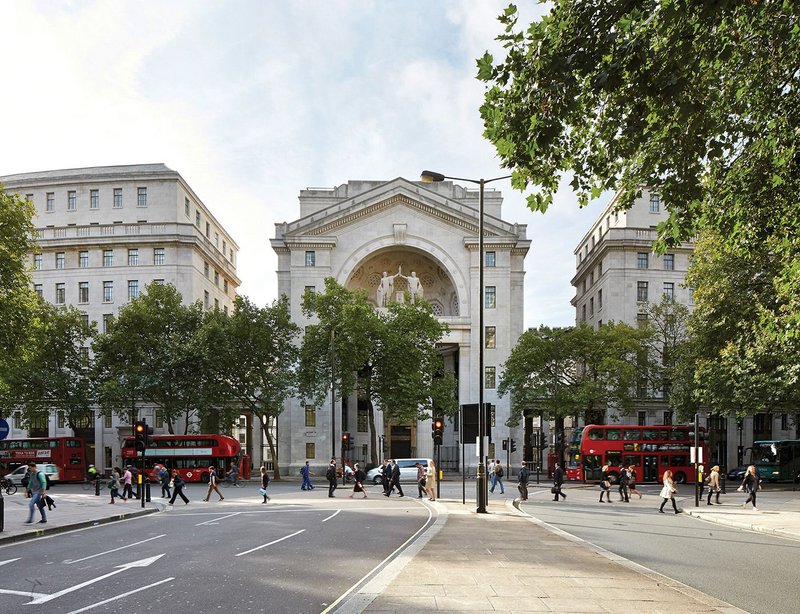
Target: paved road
755	572
298	553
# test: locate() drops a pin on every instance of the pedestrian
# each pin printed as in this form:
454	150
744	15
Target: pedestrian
701	482
624	480
114	483
430	481
558	480
305	471
134	480
163	476
605	484
394	481
264	483
127	480
492	476
348	473
497	471
212	484
751	484
632	481
668	491
233	474
91	473
38	484
330	474
26	480
386	475
713	484
358	478
178	485
522	481
420	479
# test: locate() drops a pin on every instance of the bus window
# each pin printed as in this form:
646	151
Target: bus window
678	460
650	435
633	434
614	458
614	435
596	434
632	459
679	434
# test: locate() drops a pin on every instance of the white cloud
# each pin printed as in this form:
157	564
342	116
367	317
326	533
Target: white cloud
252	101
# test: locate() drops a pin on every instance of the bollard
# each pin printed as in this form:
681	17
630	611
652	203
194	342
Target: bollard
2	512
147	490
722	480
97	487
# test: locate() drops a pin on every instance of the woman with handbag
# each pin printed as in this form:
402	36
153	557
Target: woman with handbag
668	492
430	481
358	477
713	484
178	484
751	484
264	484
605	484
632	481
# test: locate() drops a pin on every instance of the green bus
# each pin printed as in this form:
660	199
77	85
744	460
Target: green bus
776	461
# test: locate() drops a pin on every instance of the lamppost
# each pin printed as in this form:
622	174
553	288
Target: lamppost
333	399
482	492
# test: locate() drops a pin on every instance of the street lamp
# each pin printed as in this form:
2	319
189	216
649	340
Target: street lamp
482	492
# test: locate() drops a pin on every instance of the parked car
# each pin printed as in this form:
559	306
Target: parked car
49	469
408	470
737	474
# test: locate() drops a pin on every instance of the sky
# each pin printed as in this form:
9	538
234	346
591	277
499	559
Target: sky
252	101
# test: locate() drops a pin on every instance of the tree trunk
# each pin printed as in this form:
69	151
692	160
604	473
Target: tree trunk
373	439
265	427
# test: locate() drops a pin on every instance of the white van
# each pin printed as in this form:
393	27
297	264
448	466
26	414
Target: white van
408	470
49	469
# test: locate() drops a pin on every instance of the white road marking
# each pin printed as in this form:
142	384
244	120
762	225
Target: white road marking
136	590
7	591
331	516
215	520
119	569
8	561
86	558
270	543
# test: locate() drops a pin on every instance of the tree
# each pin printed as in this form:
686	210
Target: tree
54	373
151	354
17	298
578	371
389	358
252	359
699	101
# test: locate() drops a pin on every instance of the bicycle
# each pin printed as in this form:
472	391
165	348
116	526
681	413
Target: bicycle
231	482
89	484
8	486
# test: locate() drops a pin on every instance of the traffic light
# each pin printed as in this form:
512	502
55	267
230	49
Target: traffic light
513	446
438	431
140	434
346	442
148	437
505	444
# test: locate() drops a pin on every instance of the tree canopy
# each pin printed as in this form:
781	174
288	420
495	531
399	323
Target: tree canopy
696	100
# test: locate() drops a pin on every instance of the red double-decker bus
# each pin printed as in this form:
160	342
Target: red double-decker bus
191	455
67	453
651	449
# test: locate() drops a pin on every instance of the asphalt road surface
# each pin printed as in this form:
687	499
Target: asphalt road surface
753	571
237	555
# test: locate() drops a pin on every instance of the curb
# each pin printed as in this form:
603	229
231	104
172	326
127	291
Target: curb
745	526
36	533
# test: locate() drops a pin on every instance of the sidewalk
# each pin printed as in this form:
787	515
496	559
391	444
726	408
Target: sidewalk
781	519
505	561
73	511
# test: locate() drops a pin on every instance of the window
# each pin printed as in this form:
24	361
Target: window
641	320
208	230
655	203
141	197
608	222
311	450
60	260
310	289
205	269
224	248
667	418
591	307
641	291
29	197
311	415
784	422
83	260
39	290
85	319
158	281
51	202
60	294
583	287
669	289
61	419
108	257
599	300
225	309
133	289
94	199
216	239
691	295
490	337
600	269
591	279
642	260
84	357
216	278
72	200
158	255
491	259
490	297
108	291
216	303
197	219
583	312
107	319
225	286
669	262
490	377
83	291
206	299
117	198
133	257
311	258
186	206
37	262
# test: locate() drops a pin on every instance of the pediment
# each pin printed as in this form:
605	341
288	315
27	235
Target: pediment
396	193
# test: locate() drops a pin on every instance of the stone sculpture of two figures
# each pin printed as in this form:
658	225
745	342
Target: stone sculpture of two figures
386	286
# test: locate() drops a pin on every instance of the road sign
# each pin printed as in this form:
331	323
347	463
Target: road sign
4	429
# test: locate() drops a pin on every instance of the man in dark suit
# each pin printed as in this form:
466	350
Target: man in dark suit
395	479
558	480
386	476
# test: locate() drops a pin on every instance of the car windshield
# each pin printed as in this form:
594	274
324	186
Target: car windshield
764	454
